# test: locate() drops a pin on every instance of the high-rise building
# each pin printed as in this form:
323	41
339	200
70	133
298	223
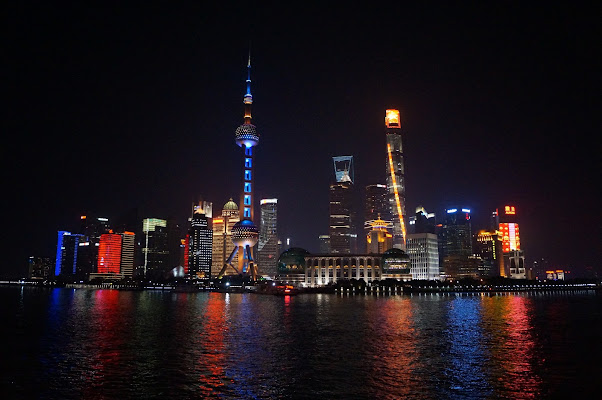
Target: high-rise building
324	241
455	244
200	246
109	254
455	238
128	244
341	231
422	222
514	258
376	205
222	237
396	176
67	248
155	248
267	247
488	246
87	256
424	256
378	239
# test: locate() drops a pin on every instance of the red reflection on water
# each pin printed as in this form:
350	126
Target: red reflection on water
394	350
212	360
105	351
513	354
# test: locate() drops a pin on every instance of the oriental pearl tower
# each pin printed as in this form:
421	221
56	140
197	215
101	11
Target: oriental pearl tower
244	233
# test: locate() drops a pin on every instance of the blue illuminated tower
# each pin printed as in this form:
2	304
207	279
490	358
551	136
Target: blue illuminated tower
245	233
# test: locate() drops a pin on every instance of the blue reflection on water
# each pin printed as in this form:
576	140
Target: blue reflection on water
464	333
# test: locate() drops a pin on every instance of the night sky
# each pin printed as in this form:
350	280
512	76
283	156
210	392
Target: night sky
113	108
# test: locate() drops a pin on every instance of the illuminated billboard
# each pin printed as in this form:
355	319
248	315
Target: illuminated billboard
392	119
509	210
510	237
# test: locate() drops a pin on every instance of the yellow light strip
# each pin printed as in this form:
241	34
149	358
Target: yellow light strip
403	226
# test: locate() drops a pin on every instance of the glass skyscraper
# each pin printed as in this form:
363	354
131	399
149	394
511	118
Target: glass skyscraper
267	246
396	177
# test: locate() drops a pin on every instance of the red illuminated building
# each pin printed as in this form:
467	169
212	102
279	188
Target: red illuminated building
109	253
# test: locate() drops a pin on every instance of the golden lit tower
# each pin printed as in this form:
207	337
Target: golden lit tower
245	233
396	177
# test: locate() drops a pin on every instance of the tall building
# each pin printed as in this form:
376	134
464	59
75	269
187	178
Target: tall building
396	177
376	205
109	254
87	256
514	258
222	237
455	238
155	248
324	241
128	244
422	222
488	246
67	253
341	231
455	244
378	239
200	246
424	256
267	247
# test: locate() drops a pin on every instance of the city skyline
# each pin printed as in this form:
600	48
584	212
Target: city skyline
144	122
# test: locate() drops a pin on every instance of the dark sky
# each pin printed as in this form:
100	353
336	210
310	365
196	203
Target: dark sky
112	107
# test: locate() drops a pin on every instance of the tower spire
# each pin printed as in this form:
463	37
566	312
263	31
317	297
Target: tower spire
248	96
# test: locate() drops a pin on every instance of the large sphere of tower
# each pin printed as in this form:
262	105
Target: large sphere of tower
245	233
246	135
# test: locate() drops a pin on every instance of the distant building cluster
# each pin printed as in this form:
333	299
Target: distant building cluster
386	244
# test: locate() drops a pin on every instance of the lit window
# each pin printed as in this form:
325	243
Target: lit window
247	200
248	151
248	163
247	212
247	174
247	187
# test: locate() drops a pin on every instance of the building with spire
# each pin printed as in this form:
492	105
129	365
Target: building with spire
245	233
396	177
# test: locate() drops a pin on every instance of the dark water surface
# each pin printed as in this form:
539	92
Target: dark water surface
96	344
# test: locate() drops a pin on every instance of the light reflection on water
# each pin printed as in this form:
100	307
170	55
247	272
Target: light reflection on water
118	344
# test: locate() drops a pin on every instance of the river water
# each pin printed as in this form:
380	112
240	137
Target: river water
110	344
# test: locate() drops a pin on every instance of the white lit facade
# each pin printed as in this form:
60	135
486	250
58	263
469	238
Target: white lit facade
424	256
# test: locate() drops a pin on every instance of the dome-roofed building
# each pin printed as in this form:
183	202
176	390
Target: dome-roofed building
396	265
230	206
291	265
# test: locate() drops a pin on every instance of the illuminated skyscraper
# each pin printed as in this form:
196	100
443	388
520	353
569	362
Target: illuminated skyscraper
200	245
341	230
422	222
455	238
67	253
376	205
222	237
245	233
488	246
514	259
155	248
128	243
87	255
424	255
396	177
267	247
109	254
